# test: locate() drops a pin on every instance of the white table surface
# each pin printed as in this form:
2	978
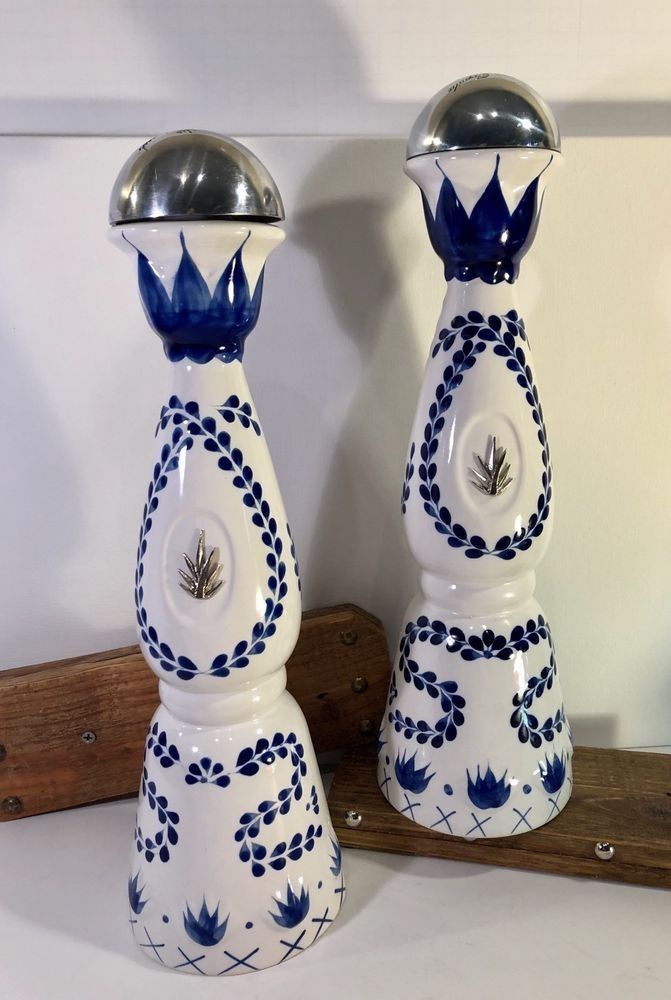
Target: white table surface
410	929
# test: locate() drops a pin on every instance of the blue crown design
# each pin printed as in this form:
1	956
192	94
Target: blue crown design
413	779
205	929
192	323
553	773
489	243
486	792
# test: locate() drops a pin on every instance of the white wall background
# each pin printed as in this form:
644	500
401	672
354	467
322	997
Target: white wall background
349	308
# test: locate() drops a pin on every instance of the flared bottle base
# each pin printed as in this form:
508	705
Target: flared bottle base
236	866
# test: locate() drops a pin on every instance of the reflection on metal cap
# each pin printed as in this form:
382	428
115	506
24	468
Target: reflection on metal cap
192	175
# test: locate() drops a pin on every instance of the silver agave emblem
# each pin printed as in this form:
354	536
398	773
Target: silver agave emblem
491	476
202	579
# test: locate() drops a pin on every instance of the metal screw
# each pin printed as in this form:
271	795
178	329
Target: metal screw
359	685
366	727
3	751
604	851
353	818
12	805
348	638
88	736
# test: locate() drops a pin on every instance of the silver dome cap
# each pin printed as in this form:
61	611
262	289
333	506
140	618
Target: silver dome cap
191	175
485	111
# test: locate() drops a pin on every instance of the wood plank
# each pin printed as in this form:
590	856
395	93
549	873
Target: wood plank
338	673
618	796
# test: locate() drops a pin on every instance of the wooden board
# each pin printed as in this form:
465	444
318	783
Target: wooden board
618	796
339	674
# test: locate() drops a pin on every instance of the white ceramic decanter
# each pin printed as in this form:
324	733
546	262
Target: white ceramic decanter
474	741
235	863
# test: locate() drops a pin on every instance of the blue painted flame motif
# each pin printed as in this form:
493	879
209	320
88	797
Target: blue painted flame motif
486	792
193	323
291	913
413	779
336	858
205	929
553	773
137	903
489	243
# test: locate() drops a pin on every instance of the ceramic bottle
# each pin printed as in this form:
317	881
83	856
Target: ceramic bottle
474	741
235	865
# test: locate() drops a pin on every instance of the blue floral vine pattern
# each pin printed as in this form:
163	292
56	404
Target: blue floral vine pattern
231	460
248	763
166	836
233	409
407	479
487	646
507	334
451	702
528	728
295	559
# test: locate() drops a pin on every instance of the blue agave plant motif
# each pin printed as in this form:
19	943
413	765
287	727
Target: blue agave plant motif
486	792
193	323
205	929
291	913
413	779
336	858
489	243
553	773
137	904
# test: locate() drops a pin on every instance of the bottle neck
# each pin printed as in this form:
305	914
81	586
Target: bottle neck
460	598
462	296
210	384
243	703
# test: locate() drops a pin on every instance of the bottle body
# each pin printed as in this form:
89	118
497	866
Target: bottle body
235	864
475	740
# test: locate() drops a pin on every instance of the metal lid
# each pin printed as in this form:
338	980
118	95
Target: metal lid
191	175
485	111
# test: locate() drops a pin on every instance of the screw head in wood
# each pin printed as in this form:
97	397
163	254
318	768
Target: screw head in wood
12	805
353	818
88	736
604	851
348	638
359	685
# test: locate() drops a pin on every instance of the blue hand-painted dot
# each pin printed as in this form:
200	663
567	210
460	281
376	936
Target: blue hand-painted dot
249	925
387	760
165	918
526	789
447	789
319	884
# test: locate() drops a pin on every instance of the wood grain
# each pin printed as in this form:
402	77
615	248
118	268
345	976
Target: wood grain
45	709
618	796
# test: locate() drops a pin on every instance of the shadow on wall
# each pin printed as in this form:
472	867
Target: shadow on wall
358	537
594	730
